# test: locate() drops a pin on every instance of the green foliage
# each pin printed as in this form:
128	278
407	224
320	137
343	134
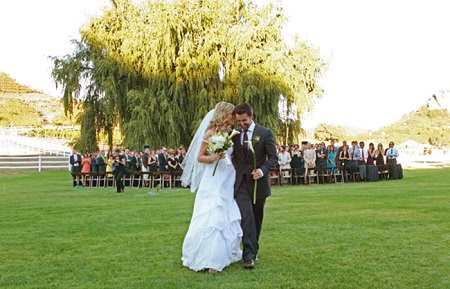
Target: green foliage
390	234
54	133
152	69
17	113
327	132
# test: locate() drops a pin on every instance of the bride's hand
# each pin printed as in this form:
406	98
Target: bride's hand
215	157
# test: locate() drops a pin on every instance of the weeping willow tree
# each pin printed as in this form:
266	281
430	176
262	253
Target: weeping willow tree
154	69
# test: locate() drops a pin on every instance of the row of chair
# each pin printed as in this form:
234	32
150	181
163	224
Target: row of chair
135	179
313	175
322	175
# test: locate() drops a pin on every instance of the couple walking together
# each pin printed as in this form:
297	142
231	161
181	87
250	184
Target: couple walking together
224	209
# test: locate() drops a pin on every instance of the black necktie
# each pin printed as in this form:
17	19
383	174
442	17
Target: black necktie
245	143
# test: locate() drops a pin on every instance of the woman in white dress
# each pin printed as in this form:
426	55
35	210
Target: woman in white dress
213	239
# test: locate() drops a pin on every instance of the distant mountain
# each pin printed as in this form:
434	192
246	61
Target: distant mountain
430	124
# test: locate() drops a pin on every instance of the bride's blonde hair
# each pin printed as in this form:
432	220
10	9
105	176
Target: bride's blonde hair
219	120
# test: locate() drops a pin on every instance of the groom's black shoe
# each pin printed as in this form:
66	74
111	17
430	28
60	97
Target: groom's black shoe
249	264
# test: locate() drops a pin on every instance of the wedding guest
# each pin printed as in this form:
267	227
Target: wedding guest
127	155
135	162
333	143
284	161
172	162
162	160
109	162
371	155
309	155
145	161
339	149
94	169
101	161
379	155
86	164
345	159
119	170
331	158
392	155
364	154
297	162
152	162
321	157
181	153
75	162
355	154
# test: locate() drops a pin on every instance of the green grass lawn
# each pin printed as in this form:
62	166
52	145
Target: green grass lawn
392	234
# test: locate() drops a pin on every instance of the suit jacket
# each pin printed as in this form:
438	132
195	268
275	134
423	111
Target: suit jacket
321	162
162	162
266	160
101	164
94	165
145	160
75	168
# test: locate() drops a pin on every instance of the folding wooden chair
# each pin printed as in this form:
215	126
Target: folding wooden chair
135	179
274	177
339	175
313	175
286	175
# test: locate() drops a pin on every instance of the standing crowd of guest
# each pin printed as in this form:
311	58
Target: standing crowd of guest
125	162
320	156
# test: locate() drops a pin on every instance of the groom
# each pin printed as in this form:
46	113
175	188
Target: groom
266	159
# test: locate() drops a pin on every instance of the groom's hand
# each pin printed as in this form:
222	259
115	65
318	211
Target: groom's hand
257	174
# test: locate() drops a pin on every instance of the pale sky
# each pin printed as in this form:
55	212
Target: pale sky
386	57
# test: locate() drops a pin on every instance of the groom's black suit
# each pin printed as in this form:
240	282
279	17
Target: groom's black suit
266	160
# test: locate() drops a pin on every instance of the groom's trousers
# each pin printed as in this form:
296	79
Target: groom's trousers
252	217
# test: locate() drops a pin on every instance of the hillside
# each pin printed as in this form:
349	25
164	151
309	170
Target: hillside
23	106
430	124
9	85
426	125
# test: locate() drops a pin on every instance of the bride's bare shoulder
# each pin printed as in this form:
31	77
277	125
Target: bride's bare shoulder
208	134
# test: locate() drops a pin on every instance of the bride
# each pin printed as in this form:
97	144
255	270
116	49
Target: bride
213	239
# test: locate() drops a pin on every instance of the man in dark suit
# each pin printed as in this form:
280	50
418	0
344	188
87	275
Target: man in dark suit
101	163
75	162
321	157
263	143
162	160
94	169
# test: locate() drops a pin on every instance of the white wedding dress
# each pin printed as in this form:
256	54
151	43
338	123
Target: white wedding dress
214	235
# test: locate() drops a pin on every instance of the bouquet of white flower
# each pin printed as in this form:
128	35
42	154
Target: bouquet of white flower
220	142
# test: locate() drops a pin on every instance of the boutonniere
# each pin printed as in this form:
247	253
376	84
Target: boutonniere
255	139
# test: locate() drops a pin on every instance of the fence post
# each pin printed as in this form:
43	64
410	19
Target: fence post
40	163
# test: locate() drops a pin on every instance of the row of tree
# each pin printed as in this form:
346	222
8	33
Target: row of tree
154	69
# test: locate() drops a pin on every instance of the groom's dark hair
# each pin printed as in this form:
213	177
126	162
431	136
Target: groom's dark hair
242	108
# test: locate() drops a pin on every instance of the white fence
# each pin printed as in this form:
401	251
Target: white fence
11	145
37	162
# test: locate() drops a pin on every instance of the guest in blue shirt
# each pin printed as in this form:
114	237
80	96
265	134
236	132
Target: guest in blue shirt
392	155
355	154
